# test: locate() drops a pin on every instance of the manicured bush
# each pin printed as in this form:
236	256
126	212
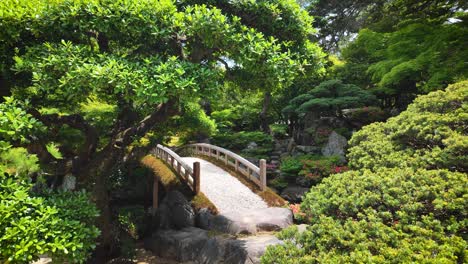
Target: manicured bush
291	166
431	134
392	216
367	115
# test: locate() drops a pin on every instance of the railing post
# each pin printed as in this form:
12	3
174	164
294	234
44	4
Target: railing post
155	192
178	168
263	174
237	165
217	154
196	177
225	158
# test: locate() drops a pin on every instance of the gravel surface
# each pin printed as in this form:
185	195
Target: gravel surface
225	191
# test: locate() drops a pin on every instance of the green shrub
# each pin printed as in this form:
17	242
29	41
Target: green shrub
132	219
312	167
291	166
393	216
279	183
367	115
279	130
431	133
59	224
239	141
319	167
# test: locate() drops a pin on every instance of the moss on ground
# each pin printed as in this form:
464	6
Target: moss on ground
200	201
166	176
268	195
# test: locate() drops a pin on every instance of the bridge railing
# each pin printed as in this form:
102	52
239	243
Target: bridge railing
191	175
245	167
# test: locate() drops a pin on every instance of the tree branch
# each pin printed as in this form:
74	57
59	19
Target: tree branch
74	121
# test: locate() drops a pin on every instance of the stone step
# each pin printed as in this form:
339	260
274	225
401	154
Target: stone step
199	246
247	222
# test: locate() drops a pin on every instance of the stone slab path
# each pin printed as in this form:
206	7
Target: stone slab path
226	192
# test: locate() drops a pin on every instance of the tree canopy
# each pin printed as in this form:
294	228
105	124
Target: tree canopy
139	64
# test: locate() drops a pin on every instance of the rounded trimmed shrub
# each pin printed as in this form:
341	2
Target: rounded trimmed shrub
391	216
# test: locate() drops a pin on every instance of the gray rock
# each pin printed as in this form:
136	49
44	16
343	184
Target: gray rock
307	149
304	182
69	183
162	217
301	228
248	250
204	218
251	222
181	245
294	193
174	212
214	250
182	214
335	146
193	244
43	259
251	146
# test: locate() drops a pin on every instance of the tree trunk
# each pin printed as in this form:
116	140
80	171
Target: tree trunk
95	176
264	124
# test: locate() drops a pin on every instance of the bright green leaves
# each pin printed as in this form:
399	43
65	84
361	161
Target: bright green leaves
17	161
431	133
58	224
417	58
391	216
65	75
15	123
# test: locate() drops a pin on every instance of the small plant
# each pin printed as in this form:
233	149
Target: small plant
296	210
278	183
319	167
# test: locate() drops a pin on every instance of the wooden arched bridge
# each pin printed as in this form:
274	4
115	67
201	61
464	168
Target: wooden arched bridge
225	191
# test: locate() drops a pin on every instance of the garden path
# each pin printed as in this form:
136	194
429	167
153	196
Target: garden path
225	191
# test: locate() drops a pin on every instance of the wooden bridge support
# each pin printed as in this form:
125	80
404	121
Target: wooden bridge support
196	177
155	192
262	173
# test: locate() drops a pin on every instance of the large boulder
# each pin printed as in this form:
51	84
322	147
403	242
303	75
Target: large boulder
247	222
68	183
294	193
248	250
181	245
174	212
335	146
197	246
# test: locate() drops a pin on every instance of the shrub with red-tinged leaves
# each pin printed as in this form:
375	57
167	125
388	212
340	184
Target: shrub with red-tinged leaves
319	167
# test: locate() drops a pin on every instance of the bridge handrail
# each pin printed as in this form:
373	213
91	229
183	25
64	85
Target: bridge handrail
190	175
251	169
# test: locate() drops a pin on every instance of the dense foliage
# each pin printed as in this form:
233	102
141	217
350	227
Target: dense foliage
330	97
392	216
306	170
404	202
59	224
431	134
